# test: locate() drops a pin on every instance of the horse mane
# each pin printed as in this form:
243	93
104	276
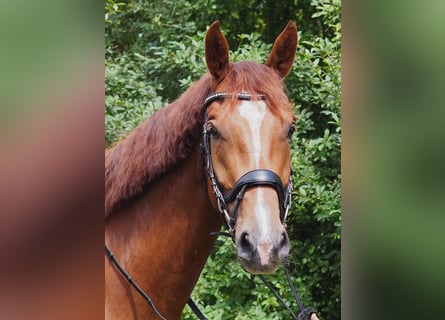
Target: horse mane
154	146
169	135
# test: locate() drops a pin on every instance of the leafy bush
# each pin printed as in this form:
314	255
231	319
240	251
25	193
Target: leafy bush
155	50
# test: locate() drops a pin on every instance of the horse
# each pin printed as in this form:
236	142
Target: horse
219	154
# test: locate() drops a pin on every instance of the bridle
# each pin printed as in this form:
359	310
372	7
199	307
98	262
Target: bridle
257	177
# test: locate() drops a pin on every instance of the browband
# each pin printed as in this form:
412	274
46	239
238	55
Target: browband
223	95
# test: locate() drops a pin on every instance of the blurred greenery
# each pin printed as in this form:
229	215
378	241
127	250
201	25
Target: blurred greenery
397	190
43	52
155	50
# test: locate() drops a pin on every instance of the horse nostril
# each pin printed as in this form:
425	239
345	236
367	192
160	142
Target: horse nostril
244	242
284	240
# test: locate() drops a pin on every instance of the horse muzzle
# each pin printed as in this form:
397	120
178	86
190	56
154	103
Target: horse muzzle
262	255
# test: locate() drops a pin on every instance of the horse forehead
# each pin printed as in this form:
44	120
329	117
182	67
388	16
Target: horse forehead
253	111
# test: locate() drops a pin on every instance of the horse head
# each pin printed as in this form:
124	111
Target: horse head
246	134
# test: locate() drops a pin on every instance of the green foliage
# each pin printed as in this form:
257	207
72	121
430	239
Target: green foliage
154	51
129	99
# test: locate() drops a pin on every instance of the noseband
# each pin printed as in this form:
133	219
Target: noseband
257	177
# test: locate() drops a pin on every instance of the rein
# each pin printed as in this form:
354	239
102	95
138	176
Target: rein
252	178
130	280
142	293
303	315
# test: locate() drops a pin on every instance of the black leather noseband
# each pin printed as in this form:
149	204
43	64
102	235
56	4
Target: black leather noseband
257	177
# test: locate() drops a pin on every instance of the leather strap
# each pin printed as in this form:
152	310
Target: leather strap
196	310
255	178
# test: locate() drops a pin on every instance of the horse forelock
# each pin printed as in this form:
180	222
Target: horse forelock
255	78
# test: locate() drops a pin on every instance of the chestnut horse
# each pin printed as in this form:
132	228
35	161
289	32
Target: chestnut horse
222	147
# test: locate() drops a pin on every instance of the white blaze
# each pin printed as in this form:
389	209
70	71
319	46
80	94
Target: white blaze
254	112
263	216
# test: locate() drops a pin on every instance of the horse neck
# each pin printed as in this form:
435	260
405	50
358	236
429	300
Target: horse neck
163	238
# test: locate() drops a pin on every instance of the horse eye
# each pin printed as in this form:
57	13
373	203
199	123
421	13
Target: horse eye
291	131
212	130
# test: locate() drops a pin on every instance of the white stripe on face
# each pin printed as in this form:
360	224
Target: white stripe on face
263	216
254	112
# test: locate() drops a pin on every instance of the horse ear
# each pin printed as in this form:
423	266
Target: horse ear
217	52
282	55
